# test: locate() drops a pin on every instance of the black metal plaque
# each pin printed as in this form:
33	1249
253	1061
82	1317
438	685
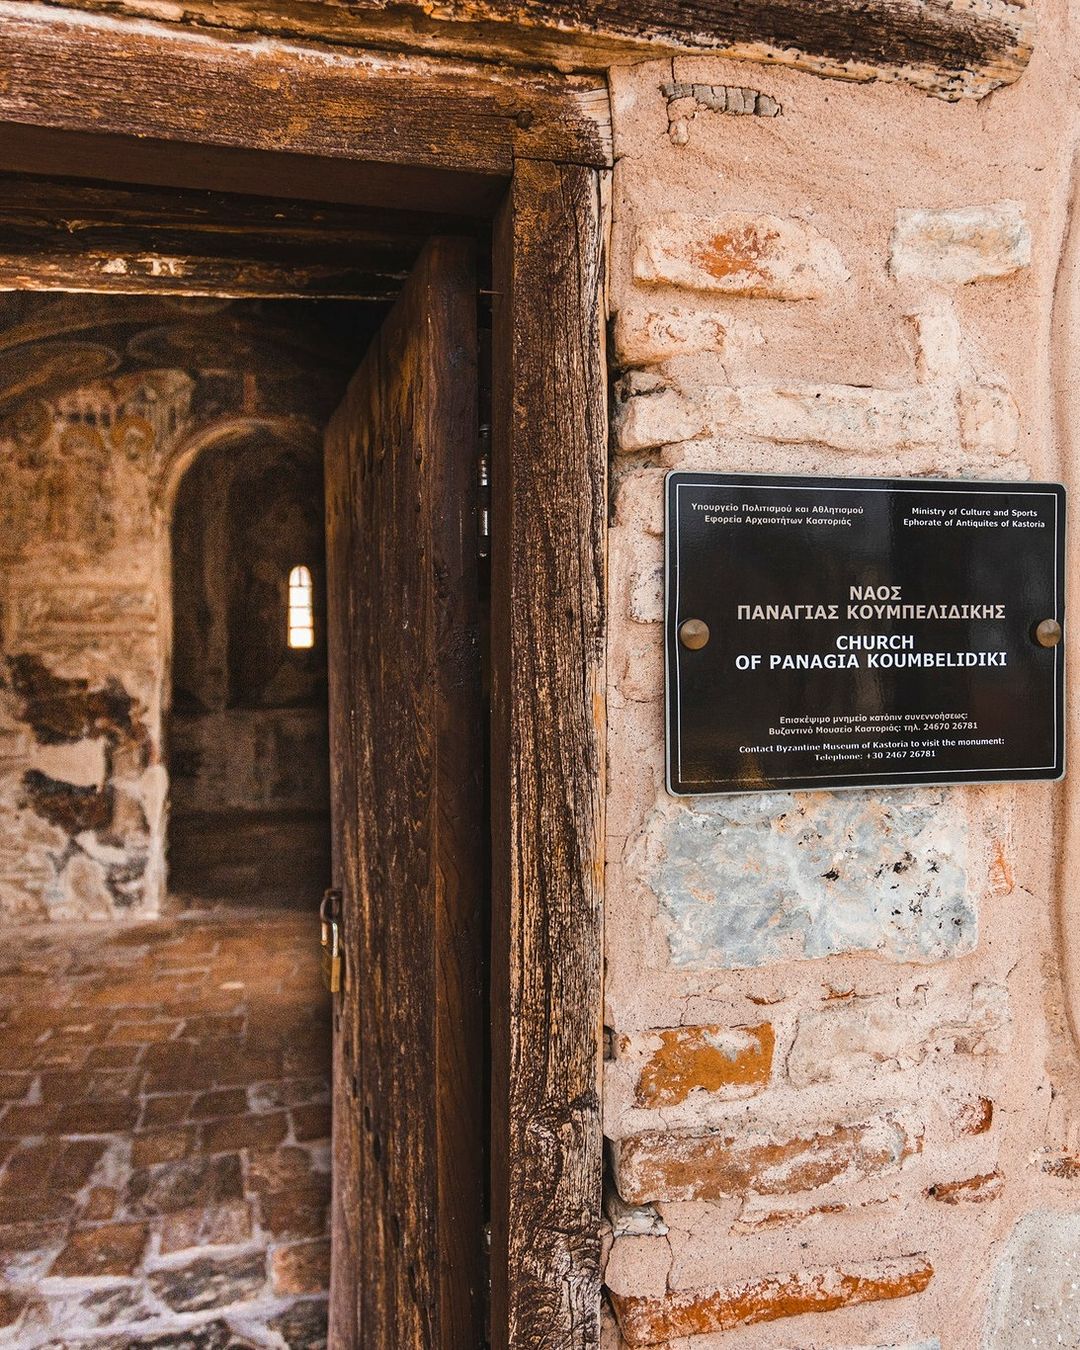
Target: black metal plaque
850	632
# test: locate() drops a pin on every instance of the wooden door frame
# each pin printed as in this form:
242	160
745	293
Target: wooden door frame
118	100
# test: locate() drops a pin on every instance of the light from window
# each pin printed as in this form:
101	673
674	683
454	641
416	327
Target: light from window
301	622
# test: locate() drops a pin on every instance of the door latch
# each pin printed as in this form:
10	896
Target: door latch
330	939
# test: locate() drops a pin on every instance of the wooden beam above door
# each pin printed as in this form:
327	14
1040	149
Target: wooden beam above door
93	74
951	48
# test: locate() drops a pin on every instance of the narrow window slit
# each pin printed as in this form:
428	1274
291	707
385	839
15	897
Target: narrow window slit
301	617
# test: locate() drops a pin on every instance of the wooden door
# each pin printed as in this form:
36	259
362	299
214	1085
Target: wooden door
410	1155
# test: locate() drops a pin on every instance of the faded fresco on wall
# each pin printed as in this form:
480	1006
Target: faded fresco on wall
99	398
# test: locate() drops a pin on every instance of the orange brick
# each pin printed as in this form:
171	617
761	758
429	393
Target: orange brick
237	1132
311	1122
272	1169
973	1115
11	1307
225	1102
709	1058
696	1312
303	1268
21	1122
685	1165
96	1117
168	1110
214	1025
296	1213
19	1050
87	1085
100	1203
972	1190
28	1168
161	1146
27	1207
246	1062
113	1056
29	1236
110	1249
75	1161
215	1226
54	1165
1002	881
140	1033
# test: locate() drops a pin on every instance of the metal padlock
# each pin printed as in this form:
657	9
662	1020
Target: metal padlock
330	941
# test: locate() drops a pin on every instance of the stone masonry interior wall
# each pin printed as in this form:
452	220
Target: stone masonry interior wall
837	1076
103	402
80	755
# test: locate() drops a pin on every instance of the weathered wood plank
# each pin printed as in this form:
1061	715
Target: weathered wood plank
80	72
27	149
951	45
229	221
549	486
121	269
407	727
60	235
952	48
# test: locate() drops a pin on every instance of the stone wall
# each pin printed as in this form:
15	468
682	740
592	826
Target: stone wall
838	1085
248	752
97	433
81	779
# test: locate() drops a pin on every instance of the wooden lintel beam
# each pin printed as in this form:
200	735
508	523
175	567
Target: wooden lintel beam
64	235
80	210
78	72
154	274
951	48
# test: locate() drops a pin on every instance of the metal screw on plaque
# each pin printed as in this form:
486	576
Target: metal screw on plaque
694	633
1048	633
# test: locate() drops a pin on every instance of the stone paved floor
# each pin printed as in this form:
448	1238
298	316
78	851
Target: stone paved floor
164	1126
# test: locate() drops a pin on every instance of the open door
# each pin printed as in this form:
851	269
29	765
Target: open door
406	736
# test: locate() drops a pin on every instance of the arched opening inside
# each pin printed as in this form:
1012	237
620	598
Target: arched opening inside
248	753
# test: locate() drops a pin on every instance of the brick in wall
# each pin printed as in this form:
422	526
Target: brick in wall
686	1165
669	1063
691	1312
976	1190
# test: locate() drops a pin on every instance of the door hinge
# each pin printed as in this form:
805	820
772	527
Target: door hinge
483	493
487	1283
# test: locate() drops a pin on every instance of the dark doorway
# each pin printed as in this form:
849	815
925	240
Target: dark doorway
528	150
160	479
163	460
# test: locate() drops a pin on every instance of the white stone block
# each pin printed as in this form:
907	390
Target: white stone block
644	421
648	334
747	882
954	247
1035	1300
898	1032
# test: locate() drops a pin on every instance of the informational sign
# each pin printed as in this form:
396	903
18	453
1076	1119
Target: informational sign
850	632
